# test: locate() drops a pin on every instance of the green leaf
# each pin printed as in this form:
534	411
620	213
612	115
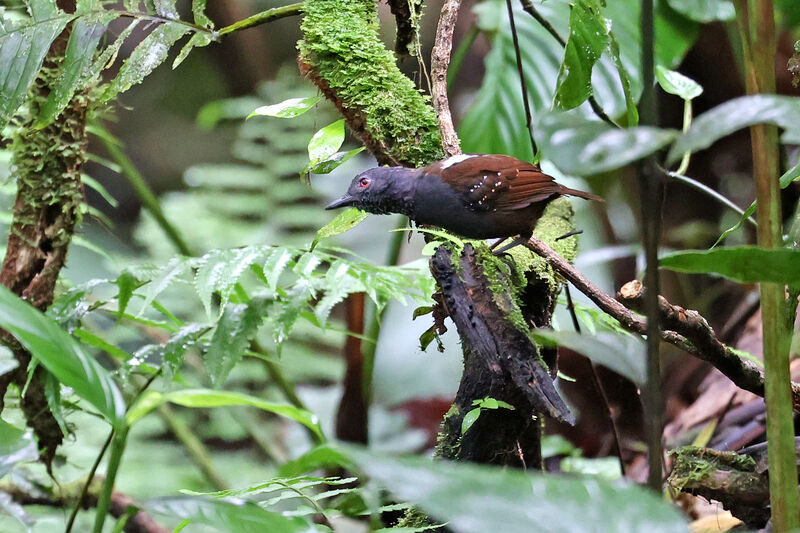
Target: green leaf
744	264
198	40
220	271
148	55
631	112
624	354
704	10
602	467
733	115
470	418
22	51
235	329
325	455
206	398
344	221
791	175
276	263
16	445
176	347
199	14
127	283
326	142
329	164
62	356
588	37
293	107
76	68
496	121
584	147
673	82
475	499
233	515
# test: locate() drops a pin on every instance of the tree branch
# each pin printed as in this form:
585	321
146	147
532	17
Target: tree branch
440	61
65	496
683	328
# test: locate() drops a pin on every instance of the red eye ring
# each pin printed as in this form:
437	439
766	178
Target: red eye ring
363	182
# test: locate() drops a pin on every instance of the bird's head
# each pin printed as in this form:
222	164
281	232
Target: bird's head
380	190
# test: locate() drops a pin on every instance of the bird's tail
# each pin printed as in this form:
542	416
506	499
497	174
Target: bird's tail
580	194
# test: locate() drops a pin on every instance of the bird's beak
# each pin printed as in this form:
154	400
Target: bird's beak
344	201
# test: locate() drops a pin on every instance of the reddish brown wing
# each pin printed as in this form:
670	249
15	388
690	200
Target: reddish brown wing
495	182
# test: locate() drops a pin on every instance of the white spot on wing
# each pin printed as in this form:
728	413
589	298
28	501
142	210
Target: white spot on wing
453	159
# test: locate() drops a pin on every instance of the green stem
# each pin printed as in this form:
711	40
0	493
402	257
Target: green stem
711	193
756	21
104	499
262	18
687	121
143	191
198	452
651	194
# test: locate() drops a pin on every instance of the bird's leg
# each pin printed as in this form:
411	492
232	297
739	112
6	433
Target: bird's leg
516	242
570	234
497	243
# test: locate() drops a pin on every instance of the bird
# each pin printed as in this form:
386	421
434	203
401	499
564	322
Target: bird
476	196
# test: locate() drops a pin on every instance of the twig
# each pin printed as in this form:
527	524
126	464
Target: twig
440	61
262	18
679	331
522	83
141	522
529	8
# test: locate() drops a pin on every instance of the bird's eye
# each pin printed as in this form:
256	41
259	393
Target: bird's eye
363	182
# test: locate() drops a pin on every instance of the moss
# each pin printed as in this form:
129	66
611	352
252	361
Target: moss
506	281
694	464
341	45
555	222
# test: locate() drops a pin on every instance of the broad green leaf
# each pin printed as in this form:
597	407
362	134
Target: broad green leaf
623	354
631	112
148	55
62	356
290	108
469	419
235	329
676	83
326	142
602	467
477	499
329	164
206	398
22	51
228	515
344	221
496	121
733	115
87	337
584	147
744	264
588	37
16	445
704	10
325	455
791	175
